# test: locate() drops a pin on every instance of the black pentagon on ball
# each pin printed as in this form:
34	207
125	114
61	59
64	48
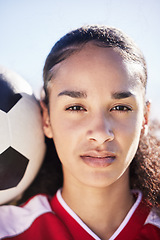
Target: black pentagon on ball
8	97
12	168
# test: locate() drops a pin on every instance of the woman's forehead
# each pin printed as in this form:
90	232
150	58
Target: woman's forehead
96	62
95	74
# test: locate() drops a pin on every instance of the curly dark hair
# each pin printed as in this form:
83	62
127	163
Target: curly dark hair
145	167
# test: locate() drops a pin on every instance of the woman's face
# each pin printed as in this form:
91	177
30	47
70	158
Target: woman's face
96	113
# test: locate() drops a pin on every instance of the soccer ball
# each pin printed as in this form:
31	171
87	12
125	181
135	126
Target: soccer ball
22	144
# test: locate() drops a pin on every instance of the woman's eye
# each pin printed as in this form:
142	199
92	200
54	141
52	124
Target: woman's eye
75	108
121	108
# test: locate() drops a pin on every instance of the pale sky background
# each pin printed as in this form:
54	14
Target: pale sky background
29	28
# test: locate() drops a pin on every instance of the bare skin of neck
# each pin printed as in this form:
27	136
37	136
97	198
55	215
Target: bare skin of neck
101	209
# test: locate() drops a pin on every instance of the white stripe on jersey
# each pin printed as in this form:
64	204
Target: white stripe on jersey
19	219
153	219
87	229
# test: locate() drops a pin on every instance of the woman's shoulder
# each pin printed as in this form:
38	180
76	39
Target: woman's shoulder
153	218
151	228
21	217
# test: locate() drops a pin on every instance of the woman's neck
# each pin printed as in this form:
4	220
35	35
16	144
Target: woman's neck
102	209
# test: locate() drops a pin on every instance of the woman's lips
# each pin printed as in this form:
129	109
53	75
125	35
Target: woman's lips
98	160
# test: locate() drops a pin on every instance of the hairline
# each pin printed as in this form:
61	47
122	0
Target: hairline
100	36
75	48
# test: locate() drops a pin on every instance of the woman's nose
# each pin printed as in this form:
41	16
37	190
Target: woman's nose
100	129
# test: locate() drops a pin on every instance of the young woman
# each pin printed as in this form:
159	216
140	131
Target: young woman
96	113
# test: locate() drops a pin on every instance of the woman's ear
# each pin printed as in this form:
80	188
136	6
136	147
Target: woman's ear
146	118
46	120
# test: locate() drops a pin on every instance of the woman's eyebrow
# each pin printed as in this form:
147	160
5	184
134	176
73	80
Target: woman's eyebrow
73	94
121	95
83	94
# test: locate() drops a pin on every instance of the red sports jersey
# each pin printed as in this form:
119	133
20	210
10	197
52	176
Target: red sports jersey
41	218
